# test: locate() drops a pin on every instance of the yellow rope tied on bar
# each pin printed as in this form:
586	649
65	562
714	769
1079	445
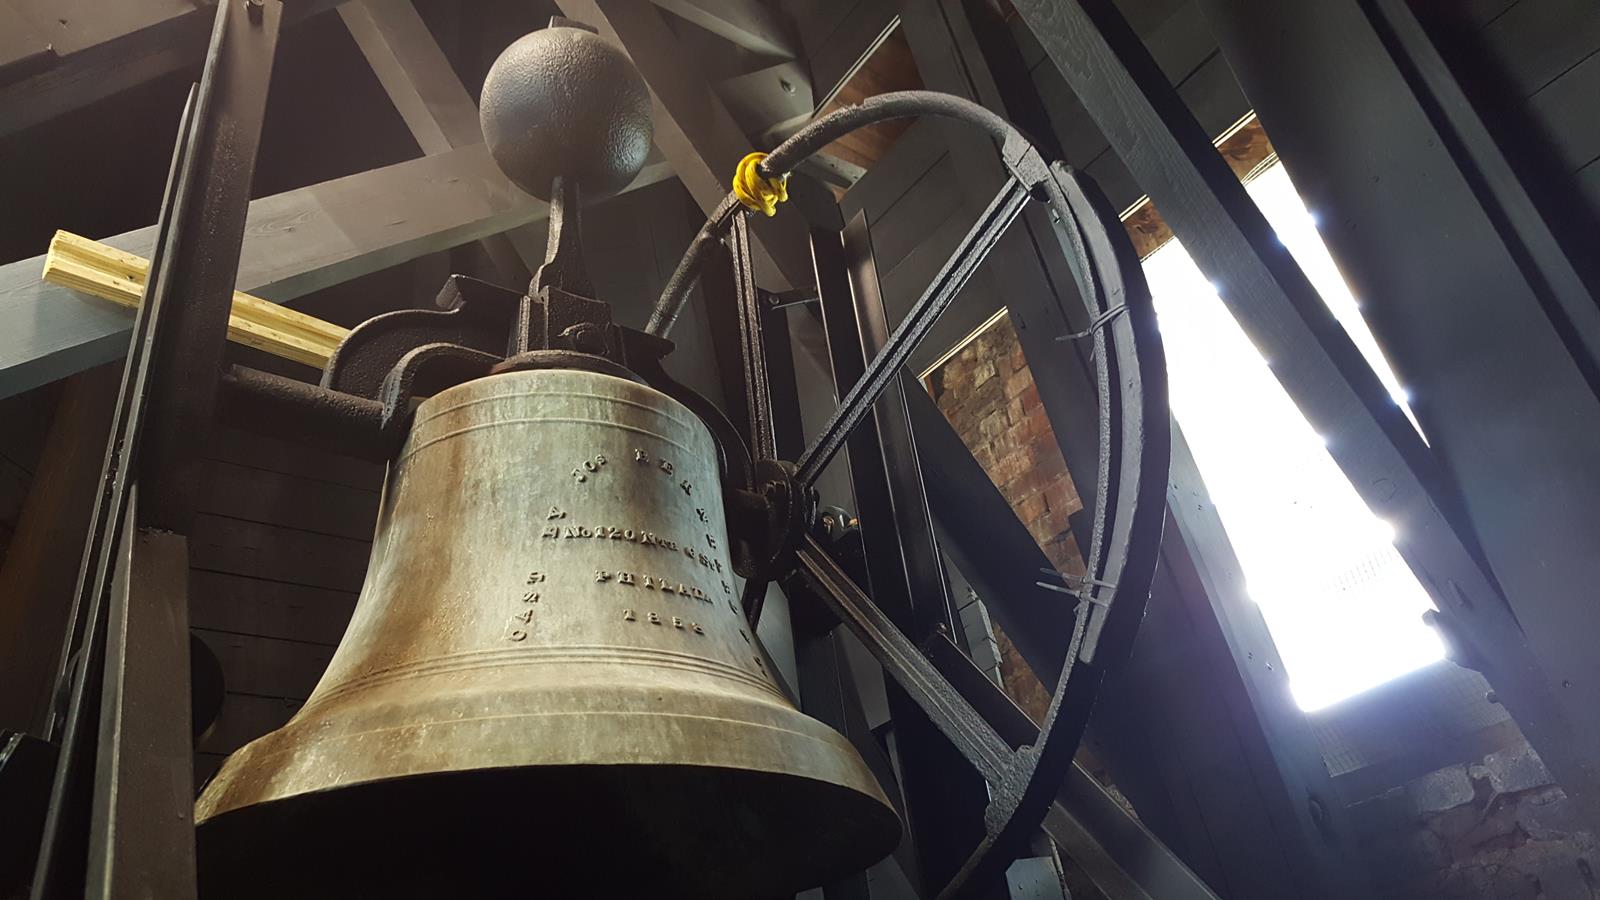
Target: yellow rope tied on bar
755	192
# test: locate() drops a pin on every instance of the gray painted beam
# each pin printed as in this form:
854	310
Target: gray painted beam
101	49
295	243
746	23
1489	322
424	89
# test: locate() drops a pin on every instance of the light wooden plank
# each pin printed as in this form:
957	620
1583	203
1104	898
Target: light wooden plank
103	271
1535	41
272	454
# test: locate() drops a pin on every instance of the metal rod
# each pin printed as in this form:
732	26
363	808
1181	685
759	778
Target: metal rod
1005	207
955	717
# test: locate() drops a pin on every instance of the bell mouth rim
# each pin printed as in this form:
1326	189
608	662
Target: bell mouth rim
413	731
807	831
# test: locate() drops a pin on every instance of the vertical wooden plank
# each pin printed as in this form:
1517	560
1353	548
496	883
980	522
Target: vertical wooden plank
41	567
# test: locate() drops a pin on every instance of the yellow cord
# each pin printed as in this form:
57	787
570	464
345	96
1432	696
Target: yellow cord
755	192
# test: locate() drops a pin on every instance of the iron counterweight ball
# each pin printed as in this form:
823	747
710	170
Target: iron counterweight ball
562	101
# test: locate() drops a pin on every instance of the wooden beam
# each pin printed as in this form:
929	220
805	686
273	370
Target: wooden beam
1488	322
100	49
110	274
1260	754
295	243
436	107
695	131
414	72
750	24
836	45
1398	477
40	569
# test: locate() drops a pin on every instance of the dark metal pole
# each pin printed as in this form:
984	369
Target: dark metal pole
945	797
118	824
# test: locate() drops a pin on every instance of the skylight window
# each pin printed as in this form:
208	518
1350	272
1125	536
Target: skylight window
1342	606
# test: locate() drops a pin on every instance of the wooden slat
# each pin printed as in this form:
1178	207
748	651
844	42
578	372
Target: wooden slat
234	546
242	719
219	601
835	56
1567	110
903	227
288	501
1535	41
279	455
921	147
267	667
1589	184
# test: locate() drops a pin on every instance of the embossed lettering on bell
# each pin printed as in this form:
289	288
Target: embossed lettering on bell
548	684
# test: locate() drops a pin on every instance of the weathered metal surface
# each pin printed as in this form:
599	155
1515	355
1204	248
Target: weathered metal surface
547	681
564	102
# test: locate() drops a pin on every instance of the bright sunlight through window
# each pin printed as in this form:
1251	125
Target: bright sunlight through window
1344	609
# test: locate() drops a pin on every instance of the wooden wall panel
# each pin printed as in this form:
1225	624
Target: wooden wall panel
277	557
291	501
1535	41
1532	69
219	601
276	553
1568	110
267	667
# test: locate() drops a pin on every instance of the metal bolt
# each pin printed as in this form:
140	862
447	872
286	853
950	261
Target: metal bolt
255	9
787	85
1491	697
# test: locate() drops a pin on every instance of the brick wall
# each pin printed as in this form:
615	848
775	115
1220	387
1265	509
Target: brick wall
988	394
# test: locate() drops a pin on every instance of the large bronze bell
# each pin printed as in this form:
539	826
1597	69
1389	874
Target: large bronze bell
547	687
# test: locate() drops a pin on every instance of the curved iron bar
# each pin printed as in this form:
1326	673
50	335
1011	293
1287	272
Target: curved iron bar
1133	454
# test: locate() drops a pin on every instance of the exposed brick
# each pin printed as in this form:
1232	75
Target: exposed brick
983	371
1061	496
1007	469
992	423
1031	507
1029	395
1018	382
